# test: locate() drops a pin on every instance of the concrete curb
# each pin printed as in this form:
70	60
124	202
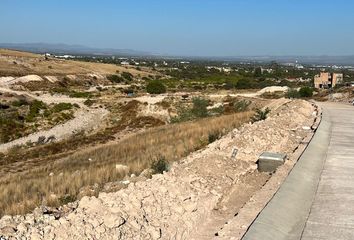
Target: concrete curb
285	215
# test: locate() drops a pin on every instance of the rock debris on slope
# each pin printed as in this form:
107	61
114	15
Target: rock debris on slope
177	204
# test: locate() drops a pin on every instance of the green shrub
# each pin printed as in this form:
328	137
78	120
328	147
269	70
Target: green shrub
160	165
244	83
62	107
292	93
199	109
115	78
155	87
89	102
34	109
241	106
260	115
127	76
19	103
306	92
67	199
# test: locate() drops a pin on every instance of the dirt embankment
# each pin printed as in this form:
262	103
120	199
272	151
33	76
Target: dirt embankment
191	201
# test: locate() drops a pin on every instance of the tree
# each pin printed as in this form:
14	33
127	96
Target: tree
155	87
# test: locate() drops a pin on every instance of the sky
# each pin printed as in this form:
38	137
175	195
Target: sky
186	27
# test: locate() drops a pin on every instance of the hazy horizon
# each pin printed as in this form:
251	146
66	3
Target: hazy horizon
221	28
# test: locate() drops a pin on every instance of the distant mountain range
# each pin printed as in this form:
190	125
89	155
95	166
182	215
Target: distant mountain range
83	50
71	49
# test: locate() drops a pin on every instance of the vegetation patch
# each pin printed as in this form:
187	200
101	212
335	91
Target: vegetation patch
155	87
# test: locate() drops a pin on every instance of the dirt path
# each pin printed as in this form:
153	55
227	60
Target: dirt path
191	201
85	119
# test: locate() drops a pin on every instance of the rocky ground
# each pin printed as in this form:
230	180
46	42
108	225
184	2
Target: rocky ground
191	201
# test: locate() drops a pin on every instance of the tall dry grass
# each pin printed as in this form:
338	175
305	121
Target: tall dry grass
23	192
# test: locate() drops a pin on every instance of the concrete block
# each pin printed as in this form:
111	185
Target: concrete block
269	162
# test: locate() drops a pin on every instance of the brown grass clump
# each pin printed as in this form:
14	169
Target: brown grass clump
54	183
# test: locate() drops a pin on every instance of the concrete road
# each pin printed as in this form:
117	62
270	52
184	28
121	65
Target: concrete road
332	211
316	201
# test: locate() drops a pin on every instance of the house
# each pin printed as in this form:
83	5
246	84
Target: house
327	80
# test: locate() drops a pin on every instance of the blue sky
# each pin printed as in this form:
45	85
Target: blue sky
186	27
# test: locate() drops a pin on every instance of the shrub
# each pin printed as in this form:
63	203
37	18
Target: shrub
160	165
244	84
127	76
19	103
62	107
213	136
35	107
241	106
306	92
79	94
292	93
89	102
260	115
155	87
199	109
115	78
67	199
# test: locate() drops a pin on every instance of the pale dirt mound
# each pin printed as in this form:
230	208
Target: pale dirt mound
5	81
51	79
273	89
191	201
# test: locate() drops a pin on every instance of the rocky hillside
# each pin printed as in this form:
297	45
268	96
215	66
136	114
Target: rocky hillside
191	201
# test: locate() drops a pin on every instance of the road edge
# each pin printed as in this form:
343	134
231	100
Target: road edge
284	217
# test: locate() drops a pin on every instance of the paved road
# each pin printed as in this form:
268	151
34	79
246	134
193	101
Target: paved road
316	201
332	212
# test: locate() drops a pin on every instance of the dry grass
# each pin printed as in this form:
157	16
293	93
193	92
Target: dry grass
24	191
15	63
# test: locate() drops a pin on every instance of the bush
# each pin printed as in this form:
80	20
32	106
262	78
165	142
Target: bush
241	106
160	165
35	107
79	94
155	87
67	199
213	136
19	103
306	92
127	76
115	78
199	109
260	115
89	102
62	107
244	84
292	93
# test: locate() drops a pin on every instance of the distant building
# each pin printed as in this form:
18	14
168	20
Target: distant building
327	80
